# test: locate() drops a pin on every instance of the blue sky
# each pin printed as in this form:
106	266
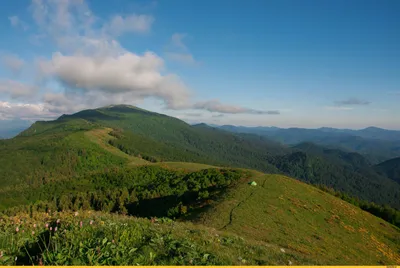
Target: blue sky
282	63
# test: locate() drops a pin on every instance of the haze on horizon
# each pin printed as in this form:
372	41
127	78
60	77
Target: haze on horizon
276	63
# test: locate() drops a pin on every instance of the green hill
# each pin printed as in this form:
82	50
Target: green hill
278	222
121	159
390	168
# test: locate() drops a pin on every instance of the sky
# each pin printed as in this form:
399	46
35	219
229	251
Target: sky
284	63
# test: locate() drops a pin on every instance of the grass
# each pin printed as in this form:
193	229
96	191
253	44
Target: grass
302	219
93	238
101	136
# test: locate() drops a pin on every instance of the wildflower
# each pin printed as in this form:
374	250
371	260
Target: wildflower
81	224
113	241
58	221
290	263
33	232
102	222
51	228
1	254
47	225
55	229
91	222
23	231
283	250
16	258
17	229
34	226
76	214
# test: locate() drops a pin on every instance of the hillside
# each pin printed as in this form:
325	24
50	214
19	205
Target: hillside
278	222
302	219
125	160
390	169
146	136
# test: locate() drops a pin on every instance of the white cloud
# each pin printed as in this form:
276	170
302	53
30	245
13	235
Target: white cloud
90	68
132	23
216	106
136	76
13	63
17	90
24	111
17	22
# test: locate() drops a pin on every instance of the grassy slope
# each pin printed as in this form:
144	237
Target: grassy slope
303	219
100	136
308	223
122	240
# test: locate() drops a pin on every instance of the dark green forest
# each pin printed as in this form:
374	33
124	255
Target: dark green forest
148	191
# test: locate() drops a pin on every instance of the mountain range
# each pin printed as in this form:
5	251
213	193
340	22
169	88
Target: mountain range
376	144
307	200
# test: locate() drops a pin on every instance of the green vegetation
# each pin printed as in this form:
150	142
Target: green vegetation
143	191
93	238
387	213
390	169
127	161
347	178
303	219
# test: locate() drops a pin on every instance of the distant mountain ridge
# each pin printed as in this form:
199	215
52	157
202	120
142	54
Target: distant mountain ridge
376	144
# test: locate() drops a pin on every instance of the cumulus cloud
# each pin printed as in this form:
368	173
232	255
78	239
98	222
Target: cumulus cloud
17	22
13	63
17	90
131	74
216	106
352	101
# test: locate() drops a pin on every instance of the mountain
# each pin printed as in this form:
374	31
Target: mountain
10	128
376	144
159	138
192	185
390	169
